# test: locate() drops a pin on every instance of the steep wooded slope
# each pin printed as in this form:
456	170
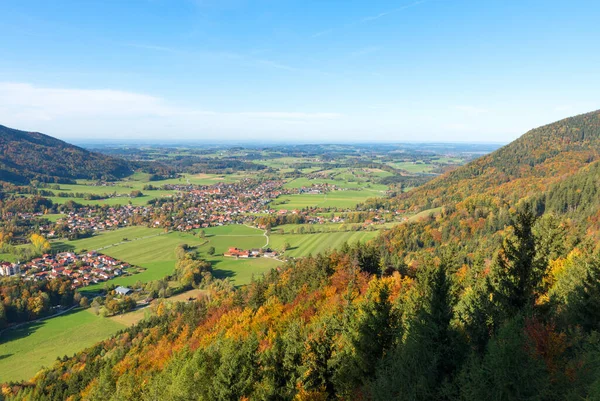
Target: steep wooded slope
30	155
540	157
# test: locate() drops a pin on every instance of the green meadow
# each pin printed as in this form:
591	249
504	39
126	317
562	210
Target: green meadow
335	199
154	250
26	350
312	244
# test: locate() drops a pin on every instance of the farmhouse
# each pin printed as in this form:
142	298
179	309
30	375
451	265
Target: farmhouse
241	253
123	290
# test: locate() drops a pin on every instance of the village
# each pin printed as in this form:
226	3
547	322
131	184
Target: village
195	208
82	270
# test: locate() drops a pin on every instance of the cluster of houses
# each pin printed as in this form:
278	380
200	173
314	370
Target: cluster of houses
9	269
82	270
223	203
95	218
250	253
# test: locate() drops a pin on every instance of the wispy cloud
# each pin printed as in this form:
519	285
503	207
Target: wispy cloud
322	33
365	50
81	111
248	59
369	18
395	10
292	115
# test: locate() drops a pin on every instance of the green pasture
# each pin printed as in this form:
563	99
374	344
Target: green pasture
413	167
326	227
154	250
334	199
307	244
26	350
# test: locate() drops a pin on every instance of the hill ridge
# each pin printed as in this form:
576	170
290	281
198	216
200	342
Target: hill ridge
26	156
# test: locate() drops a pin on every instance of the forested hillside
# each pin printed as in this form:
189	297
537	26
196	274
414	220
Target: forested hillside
26	156
494	297
529	164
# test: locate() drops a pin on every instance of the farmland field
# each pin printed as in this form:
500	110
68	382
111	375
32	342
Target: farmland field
154	250
336	199
307	244
325	228
137	182
25	350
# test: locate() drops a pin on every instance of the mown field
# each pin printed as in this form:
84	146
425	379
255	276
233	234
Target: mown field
335	199
324	228
352	183
312	244
154	250
136	182
26	350
413	167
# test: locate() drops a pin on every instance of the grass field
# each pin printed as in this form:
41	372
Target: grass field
335	199
204	179
154	250
413	167
130	318
425	213
26	350
136	182
326	228
8	257
307	244
54	217
239	270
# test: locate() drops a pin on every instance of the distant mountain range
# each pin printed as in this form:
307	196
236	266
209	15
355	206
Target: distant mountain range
26	156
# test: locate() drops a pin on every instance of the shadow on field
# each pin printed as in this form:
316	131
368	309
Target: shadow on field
221	274
61	246
27	329
21	332
5	356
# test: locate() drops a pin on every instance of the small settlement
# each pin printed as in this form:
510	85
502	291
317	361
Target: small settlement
251	253
82	270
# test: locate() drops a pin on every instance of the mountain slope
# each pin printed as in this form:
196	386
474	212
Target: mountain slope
30	155
540	157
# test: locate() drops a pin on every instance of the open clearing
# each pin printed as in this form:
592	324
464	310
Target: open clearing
26	350
154	250
335	199
307	244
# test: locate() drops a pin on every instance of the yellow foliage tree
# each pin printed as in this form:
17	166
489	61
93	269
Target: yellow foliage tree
5	238
39	243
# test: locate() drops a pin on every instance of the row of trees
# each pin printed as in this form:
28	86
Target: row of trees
21	301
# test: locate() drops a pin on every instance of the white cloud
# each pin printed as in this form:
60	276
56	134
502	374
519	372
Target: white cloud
291	115
104	113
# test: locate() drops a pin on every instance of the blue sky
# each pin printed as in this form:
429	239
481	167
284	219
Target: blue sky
328	70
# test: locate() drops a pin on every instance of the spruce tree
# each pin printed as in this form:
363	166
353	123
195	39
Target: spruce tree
518	268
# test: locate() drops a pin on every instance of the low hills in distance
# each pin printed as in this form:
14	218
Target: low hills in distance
26	156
